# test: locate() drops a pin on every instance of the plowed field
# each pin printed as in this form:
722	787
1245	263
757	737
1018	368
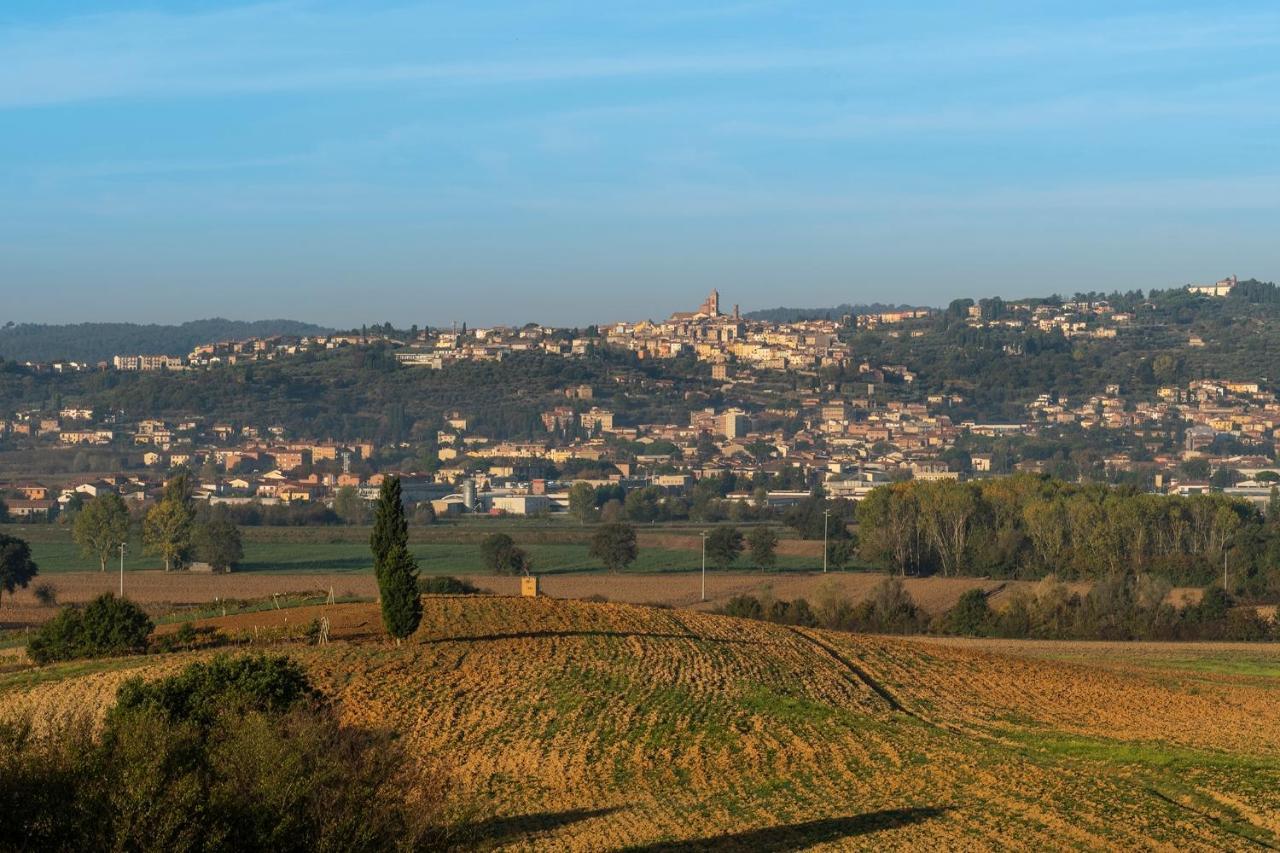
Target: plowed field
578	726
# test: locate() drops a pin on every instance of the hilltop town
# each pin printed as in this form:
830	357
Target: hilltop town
766	411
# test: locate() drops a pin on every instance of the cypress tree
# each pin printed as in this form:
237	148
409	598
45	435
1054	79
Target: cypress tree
390	527
401	604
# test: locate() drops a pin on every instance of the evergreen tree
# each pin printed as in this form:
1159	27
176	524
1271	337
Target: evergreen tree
390	527
401	606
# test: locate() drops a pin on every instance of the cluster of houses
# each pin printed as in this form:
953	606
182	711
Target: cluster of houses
723	339
848	441
1085	318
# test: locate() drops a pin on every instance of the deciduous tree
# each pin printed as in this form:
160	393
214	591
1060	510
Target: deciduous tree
502	556
166	531
762	544
724	546
101	527
216	540
582	501
16	566
615	546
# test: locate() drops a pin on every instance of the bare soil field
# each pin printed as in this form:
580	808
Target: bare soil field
587	726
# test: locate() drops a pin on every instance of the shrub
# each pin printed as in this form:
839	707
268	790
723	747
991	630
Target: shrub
108	626
446	585
1244	624
799	612
115	626
46	594
203	690
971	616
186	634
233	754
58	639
743	606
889	610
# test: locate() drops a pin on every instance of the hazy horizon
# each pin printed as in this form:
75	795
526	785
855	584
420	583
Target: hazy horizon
427	162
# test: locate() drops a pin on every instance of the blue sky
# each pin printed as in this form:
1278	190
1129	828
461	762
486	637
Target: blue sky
576	162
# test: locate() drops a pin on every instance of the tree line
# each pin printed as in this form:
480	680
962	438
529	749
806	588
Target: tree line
1129	607
1028	526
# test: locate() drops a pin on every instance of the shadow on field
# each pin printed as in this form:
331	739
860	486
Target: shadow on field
797	836
498	829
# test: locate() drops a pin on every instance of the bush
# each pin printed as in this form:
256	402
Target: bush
186	634
971	617
46	594
234	754
743	606
446	585
60	638
203	690
1245	625
115	626
108	626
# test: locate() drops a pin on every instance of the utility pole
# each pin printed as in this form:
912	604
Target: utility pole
826	517
704	565
122	570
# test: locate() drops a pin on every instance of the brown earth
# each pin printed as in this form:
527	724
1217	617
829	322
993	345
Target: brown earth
580	726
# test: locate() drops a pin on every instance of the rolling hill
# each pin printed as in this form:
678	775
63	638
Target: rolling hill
94	342
582	726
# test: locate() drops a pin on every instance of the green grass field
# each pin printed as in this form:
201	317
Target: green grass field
324	549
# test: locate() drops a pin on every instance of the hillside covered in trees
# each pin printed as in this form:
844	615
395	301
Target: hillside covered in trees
793	315
996	369
360	393
94	342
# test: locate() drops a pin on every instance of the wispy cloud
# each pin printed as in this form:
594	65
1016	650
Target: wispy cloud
293	47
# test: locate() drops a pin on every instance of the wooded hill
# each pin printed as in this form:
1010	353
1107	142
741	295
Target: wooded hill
94	342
